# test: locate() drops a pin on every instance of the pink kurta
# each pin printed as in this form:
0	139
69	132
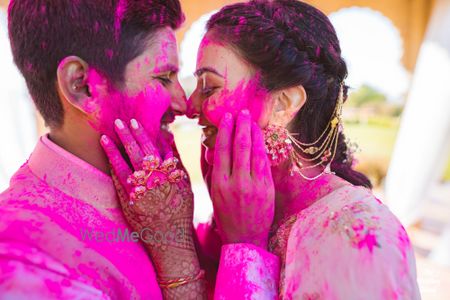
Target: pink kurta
63	236
347	245
53	217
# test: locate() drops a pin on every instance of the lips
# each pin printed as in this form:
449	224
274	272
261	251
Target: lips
168	117
209	131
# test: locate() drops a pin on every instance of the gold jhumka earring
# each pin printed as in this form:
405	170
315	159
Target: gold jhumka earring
281	145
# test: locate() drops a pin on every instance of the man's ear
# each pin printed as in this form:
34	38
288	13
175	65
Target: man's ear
287	104
72	75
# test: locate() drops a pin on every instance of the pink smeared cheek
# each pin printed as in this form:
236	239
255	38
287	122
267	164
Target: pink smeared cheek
107	104
150	106
104	106
215	108
247	95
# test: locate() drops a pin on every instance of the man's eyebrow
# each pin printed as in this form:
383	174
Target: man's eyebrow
167	68
204	70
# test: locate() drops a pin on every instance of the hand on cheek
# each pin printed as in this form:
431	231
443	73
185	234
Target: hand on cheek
242	187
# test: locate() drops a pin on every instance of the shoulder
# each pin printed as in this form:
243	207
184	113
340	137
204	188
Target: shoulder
352	215
356	243
24	207
22	185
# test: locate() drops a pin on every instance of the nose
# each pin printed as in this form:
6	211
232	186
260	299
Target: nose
178	102
194	106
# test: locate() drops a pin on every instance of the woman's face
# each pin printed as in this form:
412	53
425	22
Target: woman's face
225	83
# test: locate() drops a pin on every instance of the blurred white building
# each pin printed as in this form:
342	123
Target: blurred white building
18	133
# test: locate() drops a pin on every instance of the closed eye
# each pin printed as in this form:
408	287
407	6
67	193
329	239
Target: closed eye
206	92
164	79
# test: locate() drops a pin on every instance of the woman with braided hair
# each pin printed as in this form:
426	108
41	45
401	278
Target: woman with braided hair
269	96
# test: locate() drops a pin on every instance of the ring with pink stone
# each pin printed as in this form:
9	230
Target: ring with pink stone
154	173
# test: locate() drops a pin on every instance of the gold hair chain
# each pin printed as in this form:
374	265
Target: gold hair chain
323	153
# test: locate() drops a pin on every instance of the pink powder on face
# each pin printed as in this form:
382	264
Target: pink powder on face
108	104
247	95
206	41
163	56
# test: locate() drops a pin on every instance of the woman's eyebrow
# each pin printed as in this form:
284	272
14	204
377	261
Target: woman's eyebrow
203	70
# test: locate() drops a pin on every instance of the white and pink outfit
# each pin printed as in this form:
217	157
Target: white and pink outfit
59	226
347	245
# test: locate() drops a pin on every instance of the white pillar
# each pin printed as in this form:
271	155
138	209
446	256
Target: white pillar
421	151
18	132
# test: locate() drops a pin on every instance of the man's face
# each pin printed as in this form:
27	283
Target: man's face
151	92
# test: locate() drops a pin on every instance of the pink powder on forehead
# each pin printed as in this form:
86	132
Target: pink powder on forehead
207	41
163	57
109	104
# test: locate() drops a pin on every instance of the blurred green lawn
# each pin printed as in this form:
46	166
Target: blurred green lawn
376	141
373	140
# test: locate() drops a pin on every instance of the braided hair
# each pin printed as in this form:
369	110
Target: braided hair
292	43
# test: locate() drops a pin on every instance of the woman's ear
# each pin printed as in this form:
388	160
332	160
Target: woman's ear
287	104
72	75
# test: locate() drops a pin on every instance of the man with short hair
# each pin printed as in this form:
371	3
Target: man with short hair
60	213
63	234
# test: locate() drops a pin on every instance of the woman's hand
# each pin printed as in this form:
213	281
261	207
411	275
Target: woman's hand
161	209
242	187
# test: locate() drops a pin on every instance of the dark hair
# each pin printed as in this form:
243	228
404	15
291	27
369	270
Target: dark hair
106	34
292	43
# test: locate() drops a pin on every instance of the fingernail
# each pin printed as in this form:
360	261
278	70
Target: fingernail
119	124
105	139
134	124
245	112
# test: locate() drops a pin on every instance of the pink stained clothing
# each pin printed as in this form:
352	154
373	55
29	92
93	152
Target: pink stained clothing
236	271
347	245
247	272
63	235
54	202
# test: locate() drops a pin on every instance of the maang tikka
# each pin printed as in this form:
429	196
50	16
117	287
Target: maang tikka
282	146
